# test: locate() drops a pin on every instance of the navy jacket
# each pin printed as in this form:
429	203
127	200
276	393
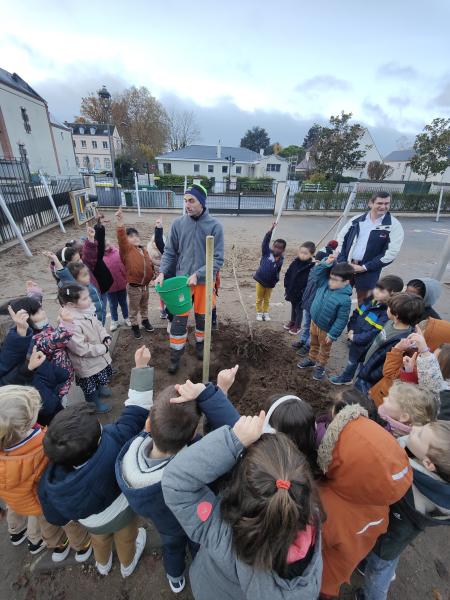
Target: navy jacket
296	279
372	370
367	321
330	308
268	273
148	501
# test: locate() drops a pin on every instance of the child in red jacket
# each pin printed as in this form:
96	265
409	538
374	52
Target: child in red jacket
117	293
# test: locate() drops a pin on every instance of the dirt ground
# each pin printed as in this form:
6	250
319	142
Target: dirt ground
424	568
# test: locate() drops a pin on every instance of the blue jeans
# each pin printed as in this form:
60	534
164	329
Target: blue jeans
104	299
116	298
174	553
378	576
304	334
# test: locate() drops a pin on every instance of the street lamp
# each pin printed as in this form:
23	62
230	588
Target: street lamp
231	161
104	98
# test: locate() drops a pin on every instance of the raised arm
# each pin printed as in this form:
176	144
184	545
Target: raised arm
159	236
171	249
100	236
90	249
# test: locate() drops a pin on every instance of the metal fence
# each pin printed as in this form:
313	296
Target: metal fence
27	199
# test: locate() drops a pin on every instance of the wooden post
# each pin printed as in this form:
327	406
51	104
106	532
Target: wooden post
14	226
348	207
136	188
184	191
209	305
438	214
281	208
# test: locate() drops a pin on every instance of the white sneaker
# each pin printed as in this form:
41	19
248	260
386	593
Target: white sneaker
259	316
127	322
105	569
114	325
83	555
140	545
266	317
176	585
60	553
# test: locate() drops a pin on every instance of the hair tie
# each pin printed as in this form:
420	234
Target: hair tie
67	292
283	484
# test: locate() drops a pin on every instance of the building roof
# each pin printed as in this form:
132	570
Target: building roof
400	155
54	121
15	81
307	164
98	128
200	152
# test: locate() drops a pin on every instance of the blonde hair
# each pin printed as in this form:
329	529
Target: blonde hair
421	405
19	408
440	454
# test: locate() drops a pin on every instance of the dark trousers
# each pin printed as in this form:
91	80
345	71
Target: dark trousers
116	298
174	553
296	313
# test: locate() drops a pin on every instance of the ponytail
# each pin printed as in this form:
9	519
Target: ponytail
70	292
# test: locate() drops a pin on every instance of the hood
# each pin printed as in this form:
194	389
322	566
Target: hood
435	490
133	472
433	289
363	463
22	462
437	332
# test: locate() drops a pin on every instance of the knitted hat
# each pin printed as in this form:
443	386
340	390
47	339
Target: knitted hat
391	283
199	192
333	244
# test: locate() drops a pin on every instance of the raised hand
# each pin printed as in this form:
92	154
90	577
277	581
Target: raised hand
409	363
249	429
158	223
90	232
119	216
226	378
404	344
187	392
142	357
36	359
20	319
417	339
330	259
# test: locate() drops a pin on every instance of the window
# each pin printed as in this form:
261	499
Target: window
196	168
107	163
224	169
273	167
167	168
210	168
92	130
105	145
238	170
94	144
96	163
25	119
81	130
83	143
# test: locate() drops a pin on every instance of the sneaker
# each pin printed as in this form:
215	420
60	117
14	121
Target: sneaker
84	554
304	350
127	322
104	391
288	325
61	552
259	316
266	317
114	325
294	330
297	345
105	569
306	364
319	373
339	380
176	585
162	314
140	545
136	332
36	548
17	538
147	326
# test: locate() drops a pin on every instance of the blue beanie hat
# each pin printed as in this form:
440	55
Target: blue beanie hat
199	192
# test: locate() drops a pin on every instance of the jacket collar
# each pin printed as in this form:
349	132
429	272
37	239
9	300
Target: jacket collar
387	220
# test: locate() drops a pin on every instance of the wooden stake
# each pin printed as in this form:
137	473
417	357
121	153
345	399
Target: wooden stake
233	261
209	305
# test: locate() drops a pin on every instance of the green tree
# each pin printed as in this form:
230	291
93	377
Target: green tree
432	149
293	151
338	146
257	139
377	171
312	137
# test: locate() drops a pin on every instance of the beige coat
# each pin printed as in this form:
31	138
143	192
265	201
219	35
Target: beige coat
88	353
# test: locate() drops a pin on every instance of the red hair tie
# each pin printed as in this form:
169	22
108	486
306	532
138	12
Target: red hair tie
282	484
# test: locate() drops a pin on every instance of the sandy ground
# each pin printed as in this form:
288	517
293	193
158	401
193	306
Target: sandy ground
424	567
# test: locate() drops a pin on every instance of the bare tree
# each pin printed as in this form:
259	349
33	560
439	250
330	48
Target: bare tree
377	171
183	129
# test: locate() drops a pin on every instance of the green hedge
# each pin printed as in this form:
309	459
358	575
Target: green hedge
400	202
168	181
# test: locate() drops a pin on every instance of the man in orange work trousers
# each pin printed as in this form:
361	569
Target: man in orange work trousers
185	253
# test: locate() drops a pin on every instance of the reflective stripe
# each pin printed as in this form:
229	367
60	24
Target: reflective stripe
401	474
174	339
199	333
371	322
371	524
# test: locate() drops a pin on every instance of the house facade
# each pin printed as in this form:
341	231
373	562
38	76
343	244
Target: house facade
28	132
399	160
221	162
91	142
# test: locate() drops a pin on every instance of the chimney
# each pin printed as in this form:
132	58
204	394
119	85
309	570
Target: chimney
219	150
261	152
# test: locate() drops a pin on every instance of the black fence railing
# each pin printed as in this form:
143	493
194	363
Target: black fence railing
27	199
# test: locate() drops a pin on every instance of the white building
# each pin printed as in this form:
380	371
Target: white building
399	160
222	161
91	142
27	131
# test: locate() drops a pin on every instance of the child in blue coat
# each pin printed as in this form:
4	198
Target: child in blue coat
268	273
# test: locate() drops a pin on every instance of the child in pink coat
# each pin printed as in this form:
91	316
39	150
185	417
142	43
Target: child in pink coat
117	293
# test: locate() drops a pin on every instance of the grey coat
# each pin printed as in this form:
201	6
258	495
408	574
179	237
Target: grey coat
185	249
216	571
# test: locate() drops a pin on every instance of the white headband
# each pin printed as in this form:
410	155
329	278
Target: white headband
63	254
266	427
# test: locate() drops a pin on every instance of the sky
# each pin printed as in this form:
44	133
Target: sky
279	65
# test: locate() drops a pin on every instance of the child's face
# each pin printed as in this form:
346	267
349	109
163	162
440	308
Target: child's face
392	409
412	290
277	249
76	257
304	253
84	301
84	277
390	316
420	439
336	283
381	295
134	239
39	317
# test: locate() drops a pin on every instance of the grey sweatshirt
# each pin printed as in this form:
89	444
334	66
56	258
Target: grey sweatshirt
185	250
216	571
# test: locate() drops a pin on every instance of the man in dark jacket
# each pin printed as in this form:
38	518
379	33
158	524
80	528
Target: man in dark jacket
371	242
268	273
295	282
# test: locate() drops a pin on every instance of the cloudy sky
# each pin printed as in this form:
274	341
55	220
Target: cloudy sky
280	65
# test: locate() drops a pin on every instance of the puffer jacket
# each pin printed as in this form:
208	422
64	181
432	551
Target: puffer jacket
21	467
366	471
87	351
367	321
330	308
137	262
268	273
117	268
296	279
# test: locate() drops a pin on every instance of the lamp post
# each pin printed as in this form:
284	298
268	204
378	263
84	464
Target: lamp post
231	162
104	98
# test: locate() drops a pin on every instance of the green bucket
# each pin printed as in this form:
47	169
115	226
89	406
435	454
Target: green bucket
176	295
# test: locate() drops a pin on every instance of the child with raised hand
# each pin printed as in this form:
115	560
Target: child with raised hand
93	257
22	462
329	312
155	249
268	273
70	253
88	347
262	537
140	466
295	282
80	482
426	504
139	270
117	293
